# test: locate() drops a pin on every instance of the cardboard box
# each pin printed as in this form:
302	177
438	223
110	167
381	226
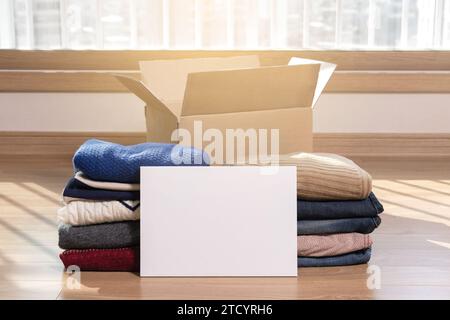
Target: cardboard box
231	93
233	221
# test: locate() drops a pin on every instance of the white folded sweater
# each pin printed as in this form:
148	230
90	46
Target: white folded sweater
119	186
77	213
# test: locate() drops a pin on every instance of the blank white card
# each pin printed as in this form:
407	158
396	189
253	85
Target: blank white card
218	221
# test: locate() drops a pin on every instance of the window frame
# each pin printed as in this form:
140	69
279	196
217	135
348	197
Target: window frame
90	70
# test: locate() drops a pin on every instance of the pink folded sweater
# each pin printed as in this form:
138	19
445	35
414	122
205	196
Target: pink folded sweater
332	244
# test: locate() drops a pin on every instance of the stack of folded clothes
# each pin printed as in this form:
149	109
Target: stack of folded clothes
336	210
99	223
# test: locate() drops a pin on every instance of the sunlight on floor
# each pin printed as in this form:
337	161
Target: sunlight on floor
440	243
411	245
426	200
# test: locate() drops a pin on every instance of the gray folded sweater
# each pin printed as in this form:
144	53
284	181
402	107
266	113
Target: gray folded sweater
99	236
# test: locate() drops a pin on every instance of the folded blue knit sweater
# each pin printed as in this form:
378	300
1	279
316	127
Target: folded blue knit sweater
106	161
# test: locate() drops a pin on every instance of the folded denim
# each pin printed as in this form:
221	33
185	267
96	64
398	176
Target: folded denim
332	245
106	161
79	213
352	258
120	259
320	227
77	190
99	236
318	210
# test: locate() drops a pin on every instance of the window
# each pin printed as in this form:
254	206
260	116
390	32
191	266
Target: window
225	24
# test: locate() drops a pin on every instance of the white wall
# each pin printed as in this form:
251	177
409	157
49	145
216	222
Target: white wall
399	113
71	112
390	113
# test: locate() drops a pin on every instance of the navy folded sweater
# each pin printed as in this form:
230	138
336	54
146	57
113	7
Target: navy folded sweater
76	189
340	209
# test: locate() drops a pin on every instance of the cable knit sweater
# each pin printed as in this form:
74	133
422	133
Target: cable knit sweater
328	177
77	213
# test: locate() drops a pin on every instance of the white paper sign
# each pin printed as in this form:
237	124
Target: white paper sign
218	221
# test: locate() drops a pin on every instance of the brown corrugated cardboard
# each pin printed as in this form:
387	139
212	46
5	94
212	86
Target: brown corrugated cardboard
231	93
294	135
244	90
167	78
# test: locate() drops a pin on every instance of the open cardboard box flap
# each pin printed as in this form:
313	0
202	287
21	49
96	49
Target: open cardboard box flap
221	91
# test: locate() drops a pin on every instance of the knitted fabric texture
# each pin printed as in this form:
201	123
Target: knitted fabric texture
328	177
106	161
79	213
332	245
99	236
317	210
348	259
121	259
346	225
106	185
77	190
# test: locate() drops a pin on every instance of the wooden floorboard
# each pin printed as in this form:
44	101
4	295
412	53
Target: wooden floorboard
411	247
64	144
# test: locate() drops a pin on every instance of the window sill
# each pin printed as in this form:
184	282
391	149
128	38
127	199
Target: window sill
90	71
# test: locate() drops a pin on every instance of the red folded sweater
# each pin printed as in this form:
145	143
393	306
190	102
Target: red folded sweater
121	259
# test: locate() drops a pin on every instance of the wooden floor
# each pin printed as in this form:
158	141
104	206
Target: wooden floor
411	247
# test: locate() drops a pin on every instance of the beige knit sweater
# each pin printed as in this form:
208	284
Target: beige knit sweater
328	177
325	176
